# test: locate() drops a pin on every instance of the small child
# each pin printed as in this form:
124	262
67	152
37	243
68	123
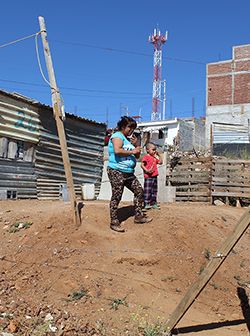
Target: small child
149	165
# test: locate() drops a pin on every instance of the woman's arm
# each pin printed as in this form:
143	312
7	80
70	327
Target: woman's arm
117	143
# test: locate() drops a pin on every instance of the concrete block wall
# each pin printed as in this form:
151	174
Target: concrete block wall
228	90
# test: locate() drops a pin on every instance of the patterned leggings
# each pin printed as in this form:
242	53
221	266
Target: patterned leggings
118	181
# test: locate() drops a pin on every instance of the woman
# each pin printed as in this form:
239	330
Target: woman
122	161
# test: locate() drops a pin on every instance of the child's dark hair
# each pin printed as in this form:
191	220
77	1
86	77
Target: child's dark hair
150	144
126	121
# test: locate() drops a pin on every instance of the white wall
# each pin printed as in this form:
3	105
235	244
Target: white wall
172	133
105	191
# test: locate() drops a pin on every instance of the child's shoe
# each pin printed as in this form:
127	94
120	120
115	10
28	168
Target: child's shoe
156	206
147	207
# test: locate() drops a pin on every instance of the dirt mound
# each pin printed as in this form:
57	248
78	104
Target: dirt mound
59	280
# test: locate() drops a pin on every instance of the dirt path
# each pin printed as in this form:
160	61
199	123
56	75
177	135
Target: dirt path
93	281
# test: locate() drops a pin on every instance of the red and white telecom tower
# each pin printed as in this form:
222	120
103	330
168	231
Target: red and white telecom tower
157	40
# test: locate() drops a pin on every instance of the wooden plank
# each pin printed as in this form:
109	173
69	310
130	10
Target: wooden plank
237	174
192	179
191	167
232	179
193	198
230	194
230	185
228	171
190	173
230	168
192	193
211	268
199	159
192	186
232	162
231	189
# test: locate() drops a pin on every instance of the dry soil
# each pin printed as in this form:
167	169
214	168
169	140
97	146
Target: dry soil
56	279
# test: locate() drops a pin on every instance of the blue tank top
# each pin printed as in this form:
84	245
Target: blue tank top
125	164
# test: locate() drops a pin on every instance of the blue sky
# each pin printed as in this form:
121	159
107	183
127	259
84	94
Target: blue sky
102	59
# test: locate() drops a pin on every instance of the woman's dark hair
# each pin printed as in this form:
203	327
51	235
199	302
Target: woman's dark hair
126	121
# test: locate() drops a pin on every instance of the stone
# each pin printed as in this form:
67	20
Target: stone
218	203
12	327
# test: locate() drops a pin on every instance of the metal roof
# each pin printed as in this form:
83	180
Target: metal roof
34	102
157	123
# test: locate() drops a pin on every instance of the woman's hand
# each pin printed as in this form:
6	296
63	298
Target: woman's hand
136	150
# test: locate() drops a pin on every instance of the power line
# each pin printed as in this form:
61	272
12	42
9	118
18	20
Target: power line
127	52
78	89
18	40
175	59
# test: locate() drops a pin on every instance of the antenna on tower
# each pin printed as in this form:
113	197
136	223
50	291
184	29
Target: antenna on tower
157	39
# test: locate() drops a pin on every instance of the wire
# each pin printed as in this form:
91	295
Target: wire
77	89
127	52
19	40
39	63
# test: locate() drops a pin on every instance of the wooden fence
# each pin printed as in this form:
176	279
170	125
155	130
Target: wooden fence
230	178
192	179
203	179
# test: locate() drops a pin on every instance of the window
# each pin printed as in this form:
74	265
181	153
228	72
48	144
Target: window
161	134
16	150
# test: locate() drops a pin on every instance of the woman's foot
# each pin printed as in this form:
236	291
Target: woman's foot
142	220
116	226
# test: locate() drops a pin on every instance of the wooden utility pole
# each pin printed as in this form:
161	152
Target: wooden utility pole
208	272
56	104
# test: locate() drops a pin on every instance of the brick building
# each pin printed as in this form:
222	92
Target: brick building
228	90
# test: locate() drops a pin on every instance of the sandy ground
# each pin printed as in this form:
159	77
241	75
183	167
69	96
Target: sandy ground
60	280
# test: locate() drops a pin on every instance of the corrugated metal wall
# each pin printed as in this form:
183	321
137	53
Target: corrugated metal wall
19	177
32	124
85	142
229	133
19	122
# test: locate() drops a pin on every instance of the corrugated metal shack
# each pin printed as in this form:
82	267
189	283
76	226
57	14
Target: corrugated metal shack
31	165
